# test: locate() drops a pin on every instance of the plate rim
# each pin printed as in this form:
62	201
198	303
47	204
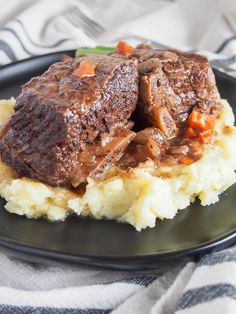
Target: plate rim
226	239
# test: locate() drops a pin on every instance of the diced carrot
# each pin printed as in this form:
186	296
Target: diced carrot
206	136
185	160
197	120
85	69
190	133
124	49
201	121
210	122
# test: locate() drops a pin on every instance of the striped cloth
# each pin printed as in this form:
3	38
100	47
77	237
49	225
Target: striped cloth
45	26
211	289
208	286
29	28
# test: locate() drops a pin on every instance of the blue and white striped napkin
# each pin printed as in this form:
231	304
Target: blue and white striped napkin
43	26
212	286
29	28
206	287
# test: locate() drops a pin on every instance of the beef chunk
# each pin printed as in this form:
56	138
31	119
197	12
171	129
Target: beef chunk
58	114
175	81
96	158
171	85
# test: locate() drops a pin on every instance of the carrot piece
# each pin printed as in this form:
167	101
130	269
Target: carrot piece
85	69
210	122
185	160
124	49
206	136
197	120
190	133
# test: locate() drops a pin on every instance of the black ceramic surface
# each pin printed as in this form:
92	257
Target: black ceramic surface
193	231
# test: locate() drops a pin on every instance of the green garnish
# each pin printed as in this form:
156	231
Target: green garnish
98	50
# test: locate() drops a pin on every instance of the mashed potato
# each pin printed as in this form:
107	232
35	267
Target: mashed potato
137	197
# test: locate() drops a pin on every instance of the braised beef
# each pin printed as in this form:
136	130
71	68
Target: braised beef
151	143
171	85
96	158
70	125
58	114
176	81
153	133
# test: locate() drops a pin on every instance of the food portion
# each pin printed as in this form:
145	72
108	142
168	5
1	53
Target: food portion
131	135
138	196
176	81
59	115
178	103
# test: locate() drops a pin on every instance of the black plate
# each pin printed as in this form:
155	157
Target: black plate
193	231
